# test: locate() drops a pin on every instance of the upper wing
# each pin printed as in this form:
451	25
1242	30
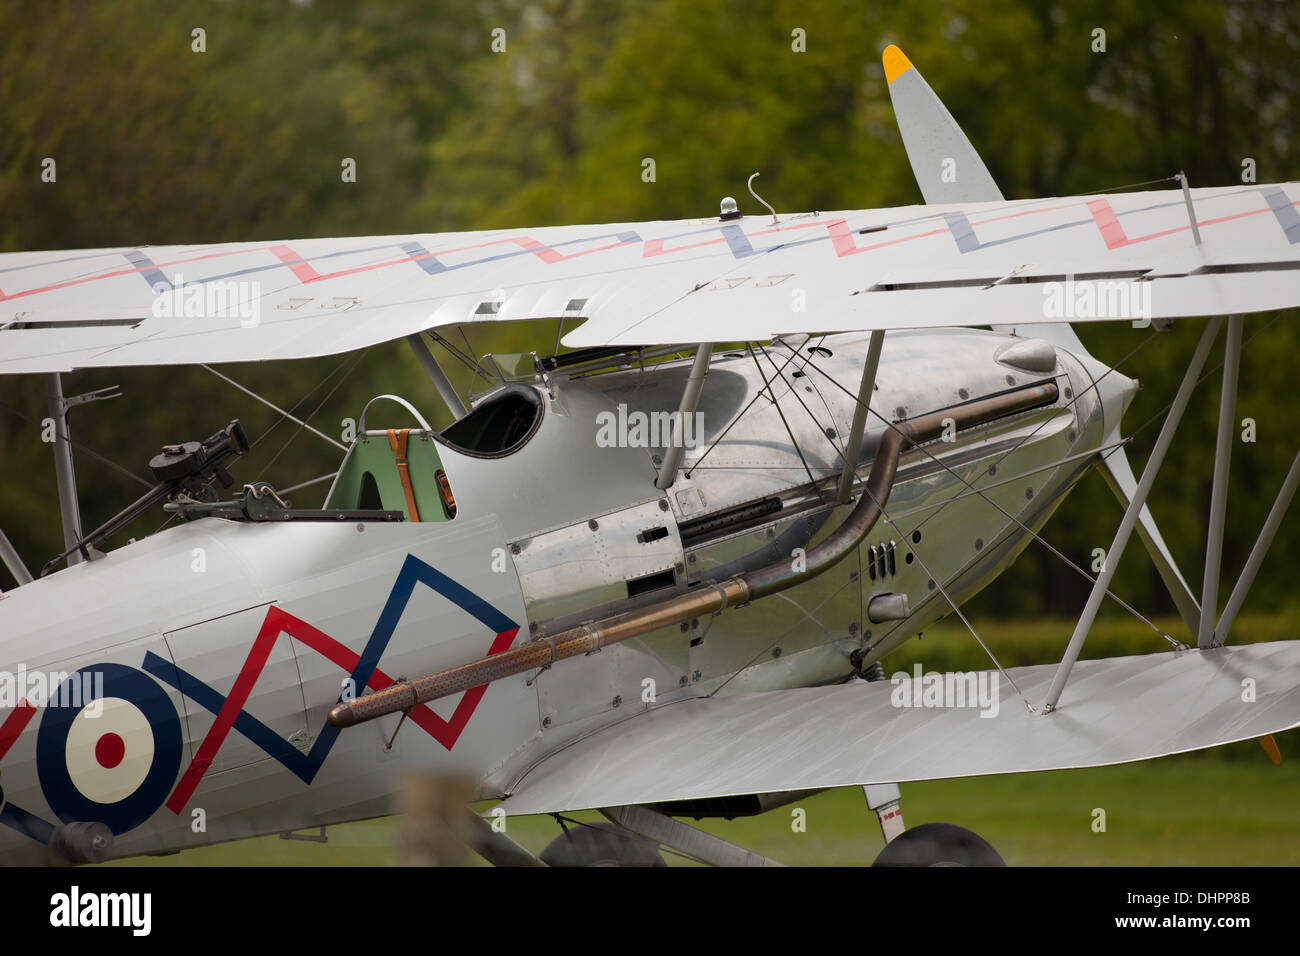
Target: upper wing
1116	710
657	283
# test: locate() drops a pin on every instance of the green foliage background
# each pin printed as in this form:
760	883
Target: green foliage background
156	143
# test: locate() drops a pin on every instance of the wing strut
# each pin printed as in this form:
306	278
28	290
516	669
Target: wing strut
1131	513
63	469
1191	212
1119	476
690	402
12	561
1280	505
440	382
1219	495
865	388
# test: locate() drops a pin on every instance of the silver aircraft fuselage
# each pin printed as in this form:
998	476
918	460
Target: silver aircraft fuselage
222	645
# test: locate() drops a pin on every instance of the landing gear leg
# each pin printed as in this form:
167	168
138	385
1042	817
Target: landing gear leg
885	799
930	844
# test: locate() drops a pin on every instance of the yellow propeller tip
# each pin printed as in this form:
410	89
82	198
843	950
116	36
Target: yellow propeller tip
1271	748
896	63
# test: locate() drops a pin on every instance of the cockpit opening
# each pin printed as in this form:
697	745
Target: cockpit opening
400	469
498	425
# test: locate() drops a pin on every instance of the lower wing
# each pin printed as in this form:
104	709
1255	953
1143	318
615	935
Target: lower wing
1115	710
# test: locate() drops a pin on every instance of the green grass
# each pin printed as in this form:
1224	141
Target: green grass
948	645
1225	807
1177	811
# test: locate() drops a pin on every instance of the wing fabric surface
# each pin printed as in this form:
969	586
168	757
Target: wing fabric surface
656	283
1114	711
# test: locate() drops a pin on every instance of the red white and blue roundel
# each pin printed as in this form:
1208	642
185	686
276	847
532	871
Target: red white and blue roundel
110	755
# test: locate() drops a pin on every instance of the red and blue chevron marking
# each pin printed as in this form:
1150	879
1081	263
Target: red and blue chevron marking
363	670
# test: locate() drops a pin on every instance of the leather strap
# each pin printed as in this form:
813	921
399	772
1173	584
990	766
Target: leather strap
397	440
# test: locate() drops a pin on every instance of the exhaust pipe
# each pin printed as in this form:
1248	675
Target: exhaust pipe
710	598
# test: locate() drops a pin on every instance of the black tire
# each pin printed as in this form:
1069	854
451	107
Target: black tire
601	844
938	844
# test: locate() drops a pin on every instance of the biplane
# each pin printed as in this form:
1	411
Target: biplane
652	569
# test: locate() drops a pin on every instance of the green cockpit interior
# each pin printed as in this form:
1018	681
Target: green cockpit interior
370	480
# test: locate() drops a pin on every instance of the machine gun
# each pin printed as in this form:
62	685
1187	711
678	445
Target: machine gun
183	469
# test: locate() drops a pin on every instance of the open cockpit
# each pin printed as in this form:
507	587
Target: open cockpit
401	469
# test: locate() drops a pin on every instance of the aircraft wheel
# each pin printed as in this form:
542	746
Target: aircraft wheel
600	844
938	844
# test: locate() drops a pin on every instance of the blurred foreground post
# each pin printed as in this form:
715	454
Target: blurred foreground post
433	830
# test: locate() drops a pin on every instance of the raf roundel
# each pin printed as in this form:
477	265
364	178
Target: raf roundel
112	758
109	750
